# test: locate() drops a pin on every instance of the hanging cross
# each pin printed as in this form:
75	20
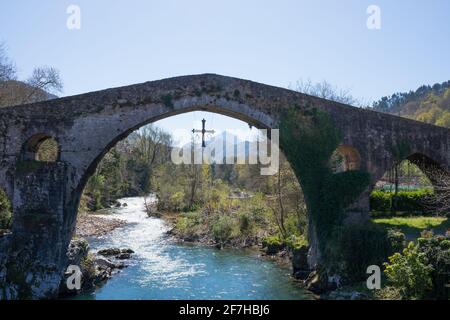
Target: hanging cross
203	131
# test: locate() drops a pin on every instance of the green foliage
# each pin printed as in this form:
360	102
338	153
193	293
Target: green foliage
410	202
223	229
410	272
409	102
357	247
127	169
396	239
309	139
273	244
295	242
167	99
5	212
437	251
27	166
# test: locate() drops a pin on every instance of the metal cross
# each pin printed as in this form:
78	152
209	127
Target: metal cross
203	131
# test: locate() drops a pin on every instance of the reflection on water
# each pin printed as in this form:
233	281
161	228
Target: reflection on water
162	269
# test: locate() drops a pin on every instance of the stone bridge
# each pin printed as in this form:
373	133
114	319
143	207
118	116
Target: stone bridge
45	195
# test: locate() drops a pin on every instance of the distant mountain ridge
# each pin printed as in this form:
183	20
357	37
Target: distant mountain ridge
241	147
429	104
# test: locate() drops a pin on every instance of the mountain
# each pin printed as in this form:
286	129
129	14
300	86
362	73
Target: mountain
241	147
429	104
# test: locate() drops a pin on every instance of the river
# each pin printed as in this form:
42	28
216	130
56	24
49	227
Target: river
164	269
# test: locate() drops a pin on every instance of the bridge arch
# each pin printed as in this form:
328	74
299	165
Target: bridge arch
41	147
226	107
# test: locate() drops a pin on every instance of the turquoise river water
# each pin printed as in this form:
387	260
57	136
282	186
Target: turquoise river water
164	269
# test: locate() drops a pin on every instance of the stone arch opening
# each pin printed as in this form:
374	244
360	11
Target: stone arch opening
290	189
345	158
409	187
6	213
41	147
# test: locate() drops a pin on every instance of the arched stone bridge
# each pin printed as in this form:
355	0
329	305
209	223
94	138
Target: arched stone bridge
45	195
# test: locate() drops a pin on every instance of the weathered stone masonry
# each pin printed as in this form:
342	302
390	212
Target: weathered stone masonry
45	196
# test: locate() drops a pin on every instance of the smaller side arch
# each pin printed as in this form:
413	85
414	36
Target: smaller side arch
345	158
41	147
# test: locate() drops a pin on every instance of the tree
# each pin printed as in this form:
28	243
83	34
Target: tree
440	202
326	90
150	146
43	83
7	68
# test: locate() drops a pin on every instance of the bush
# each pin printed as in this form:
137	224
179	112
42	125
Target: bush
437	251
295	242
188	223
273	244
245	223
410	272
396	239
410	202
223	229
357	247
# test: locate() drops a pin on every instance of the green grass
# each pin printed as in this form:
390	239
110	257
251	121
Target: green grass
413	226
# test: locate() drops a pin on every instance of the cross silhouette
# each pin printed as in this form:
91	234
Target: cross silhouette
203	131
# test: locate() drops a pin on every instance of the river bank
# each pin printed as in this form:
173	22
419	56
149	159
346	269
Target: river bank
206	239
95	225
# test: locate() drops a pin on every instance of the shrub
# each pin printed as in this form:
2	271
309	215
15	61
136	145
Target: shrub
406	201
188	223
396	239
410	272
437	251
245	223
223	229
176	201
295	242
357	247
273	244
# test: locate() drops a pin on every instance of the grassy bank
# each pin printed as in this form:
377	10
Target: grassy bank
413	226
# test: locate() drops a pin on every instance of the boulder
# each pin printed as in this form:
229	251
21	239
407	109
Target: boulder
109	252
123	256
300	260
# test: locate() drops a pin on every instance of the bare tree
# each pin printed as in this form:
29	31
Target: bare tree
7	67
43	80
41	85
328	91
152	144
440	201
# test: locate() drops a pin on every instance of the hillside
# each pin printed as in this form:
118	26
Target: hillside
429	104
13	92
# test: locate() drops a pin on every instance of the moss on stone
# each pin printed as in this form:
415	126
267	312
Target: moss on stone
25	167
308	138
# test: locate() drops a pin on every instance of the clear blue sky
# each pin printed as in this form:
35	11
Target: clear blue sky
274	42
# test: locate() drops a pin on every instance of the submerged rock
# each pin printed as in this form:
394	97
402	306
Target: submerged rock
116	253
109	252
